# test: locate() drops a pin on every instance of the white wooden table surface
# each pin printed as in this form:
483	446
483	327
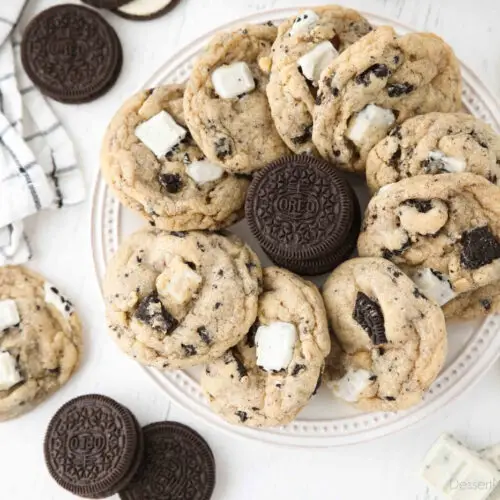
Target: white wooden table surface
384	469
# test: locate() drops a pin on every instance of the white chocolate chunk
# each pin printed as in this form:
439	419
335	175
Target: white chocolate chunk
178	282
317	60
9	314
160	133
434	285
204	171
9	374
458	473
275	343
371	121
423	216
352	385
233	80
54	297
143	7
439	162
304	22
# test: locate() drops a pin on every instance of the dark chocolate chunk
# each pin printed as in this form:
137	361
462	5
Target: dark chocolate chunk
152	312
223	148
297	369
479	248
217	305
172	183
189	350
93	446
178	464
423	206
242	415
378	70
368	314
305	137
399	89
205	336
486	303
71	53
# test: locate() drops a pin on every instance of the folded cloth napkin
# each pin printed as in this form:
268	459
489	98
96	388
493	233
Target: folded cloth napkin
38	168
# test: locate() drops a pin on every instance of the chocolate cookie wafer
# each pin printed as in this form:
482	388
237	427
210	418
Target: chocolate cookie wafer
145	10
71	53
106	4
305	216
178	463
93	446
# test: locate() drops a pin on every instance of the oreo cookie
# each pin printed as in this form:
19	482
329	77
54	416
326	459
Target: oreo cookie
93	446
71	54
304	214
178	463
145	10
106	4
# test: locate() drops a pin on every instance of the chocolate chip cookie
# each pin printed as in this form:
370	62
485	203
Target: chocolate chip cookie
225	104
305	45
378	82
392	338
435	143
178	299
272	373
177	189
40	340
443	230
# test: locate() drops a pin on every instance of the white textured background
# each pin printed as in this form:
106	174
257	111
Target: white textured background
384	469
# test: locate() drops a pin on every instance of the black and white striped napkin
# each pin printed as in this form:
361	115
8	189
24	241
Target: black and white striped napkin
38	168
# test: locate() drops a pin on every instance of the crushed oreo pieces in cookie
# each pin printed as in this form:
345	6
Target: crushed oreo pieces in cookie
368	314
479	248
152	312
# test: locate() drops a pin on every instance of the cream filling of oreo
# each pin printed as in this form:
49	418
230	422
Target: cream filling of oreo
352	385
317	60
9	374
54	297
144	7
370	125
275	344
434	285
9	314
416	221
178	281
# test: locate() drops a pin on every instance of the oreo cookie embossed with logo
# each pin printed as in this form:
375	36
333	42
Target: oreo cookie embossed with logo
71	53
93	446
304	214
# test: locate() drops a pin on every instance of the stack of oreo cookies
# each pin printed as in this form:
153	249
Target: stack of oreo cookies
304	214
95	448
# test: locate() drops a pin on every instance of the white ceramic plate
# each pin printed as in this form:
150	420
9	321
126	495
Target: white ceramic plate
474	346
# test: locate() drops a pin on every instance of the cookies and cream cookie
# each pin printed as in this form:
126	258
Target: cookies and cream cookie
155	168
376	83
443	230
305	46
178	299
40	340
225	104
272	373
392	338
435	143
474	304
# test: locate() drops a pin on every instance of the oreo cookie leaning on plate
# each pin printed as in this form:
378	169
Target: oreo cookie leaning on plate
71	53
304	214
93	446
145	10
178	463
